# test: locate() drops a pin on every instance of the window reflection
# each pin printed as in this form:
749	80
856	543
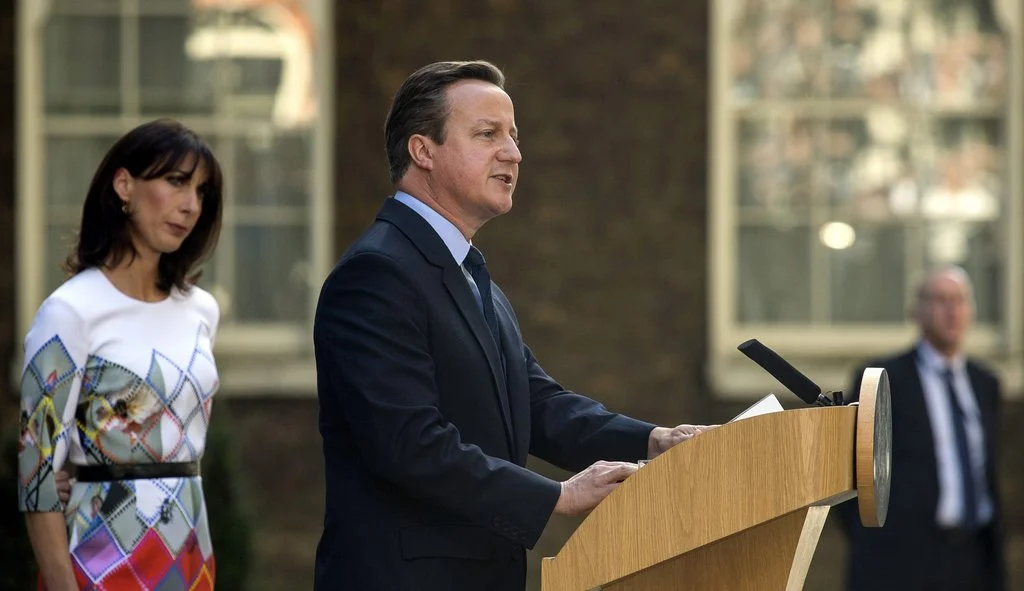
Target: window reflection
272	42
947	51
886	116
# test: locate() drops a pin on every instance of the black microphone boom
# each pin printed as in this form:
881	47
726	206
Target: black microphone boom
782	371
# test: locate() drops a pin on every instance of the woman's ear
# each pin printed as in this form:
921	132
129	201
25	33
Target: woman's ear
123	184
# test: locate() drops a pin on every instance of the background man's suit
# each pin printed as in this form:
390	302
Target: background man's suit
911	552
427	424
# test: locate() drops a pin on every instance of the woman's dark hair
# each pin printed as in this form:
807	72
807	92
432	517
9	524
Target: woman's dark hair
420	106
149	151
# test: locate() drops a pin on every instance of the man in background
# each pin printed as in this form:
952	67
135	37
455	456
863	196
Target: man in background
942	532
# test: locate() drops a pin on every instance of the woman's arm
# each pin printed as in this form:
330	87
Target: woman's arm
49	538
56	350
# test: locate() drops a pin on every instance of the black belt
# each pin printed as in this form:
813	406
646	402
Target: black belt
112	472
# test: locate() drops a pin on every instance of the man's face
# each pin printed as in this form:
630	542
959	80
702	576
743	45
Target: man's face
945	312
476	168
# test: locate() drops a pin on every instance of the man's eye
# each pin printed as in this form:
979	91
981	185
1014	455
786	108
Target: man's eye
488	133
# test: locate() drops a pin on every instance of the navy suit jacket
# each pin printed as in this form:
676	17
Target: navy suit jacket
899	555
426	434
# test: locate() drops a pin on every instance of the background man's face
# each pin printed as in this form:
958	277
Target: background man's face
945	312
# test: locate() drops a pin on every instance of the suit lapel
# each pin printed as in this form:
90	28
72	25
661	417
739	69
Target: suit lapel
458	288
982	396
515	374
917	409
436	252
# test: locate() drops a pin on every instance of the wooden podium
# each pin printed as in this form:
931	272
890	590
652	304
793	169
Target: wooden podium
738	507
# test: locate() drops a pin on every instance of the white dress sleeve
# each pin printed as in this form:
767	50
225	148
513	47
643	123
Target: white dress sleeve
56	348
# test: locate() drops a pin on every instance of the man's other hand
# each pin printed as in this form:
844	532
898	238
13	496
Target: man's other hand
663	438
585	490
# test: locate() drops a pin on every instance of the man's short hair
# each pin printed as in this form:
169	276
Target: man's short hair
420	106
921	290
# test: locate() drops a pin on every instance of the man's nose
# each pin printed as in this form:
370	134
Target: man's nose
511	151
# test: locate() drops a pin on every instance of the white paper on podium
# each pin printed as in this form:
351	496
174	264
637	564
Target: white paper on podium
763	406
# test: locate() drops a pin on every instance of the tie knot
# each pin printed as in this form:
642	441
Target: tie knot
474	258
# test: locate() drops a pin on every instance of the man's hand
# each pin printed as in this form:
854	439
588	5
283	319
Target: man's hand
63	487
663	438
585	490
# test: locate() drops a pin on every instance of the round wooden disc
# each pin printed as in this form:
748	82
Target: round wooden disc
874	447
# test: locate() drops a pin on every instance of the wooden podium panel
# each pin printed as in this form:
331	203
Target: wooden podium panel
737	507
739	562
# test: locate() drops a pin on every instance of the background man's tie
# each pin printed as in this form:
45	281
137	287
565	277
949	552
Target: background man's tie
970	508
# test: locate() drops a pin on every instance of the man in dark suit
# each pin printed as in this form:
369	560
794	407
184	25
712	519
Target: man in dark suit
943	527
430	401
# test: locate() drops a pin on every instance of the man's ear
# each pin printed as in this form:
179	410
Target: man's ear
123	183
421	151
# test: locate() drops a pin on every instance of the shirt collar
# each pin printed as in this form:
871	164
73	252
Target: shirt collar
452	237
932	359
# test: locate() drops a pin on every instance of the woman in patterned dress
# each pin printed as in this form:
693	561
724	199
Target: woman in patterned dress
119	376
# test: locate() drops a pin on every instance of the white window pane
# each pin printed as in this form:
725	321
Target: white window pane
73	161
272	274
865	49
779	50
82	56
963	175
960	55
778	164
273	170
170	81
264	62
256	51
774	275
868	274
850	174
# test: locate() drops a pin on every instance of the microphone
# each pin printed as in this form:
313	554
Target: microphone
786	374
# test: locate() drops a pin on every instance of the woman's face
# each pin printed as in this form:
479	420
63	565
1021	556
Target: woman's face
164	210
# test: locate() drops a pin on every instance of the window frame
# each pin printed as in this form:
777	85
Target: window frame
254	358
829	353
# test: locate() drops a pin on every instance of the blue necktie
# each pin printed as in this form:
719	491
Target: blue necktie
970	507
477	267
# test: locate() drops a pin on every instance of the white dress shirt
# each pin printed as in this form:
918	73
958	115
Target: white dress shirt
452	236
931	367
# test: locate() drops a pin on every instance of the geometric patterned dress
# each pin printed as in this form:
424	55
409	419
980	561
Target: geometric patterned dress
113	380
